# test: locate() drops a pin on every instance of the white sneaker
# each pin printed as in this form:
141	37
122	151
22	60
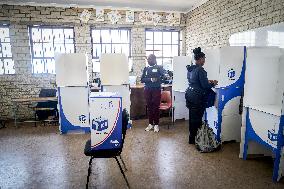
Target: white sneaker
156	128
150	127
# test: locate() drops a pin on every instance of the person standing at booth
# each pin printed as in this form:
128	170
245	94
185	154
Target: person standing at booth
196	93
153	76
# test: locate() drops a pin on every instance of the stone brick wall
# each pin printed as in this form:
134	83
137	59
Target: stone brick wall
212	24
24	83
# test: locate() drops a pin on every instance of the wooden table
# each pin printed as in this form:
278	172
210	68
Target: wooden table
16	103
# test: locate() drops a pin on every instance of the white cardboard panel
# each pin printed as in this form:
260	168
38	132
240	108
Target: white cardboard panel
261	78
212	118
71	69
231	61
212	63
74	102
114	69
180	82
232	107
123	91
265	125
104	110
280	84
179	103
231	128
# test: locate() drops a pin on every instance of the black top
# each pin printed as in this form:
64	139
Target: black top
197	79
153	72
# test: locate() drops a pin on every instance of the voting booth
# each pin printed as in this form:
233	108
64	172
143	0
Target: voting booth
263	118
227	66
179	86
115	76
73	92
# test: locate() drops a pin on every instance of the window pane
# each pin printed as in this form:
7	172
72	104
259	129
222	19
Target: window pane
37	50
149	37
167	64
124	36
96	34
167	38
106	38
158	50
175	50
109	41
47	36
97	50
106	48
1	67
175	38
158	38
96	65
6	50
159	61
38	66
167	51
50	66
6	57
115	36
46	41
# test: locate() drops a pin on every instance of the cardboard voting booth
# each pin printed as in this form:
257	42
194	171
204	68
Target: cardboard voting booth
105	120
179	86
115	76
263	119
227	66
73	92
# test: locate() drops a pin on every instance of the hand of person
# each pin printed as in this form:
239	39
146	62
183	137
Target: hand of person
215	82
154	79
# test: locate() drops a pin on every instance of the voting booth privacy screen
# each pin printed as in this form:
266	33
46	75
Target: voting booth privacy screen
263	103
179	86
227	66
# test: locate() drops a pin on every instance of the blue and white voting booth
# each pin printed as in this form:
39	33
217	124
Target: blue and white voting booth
105	120
179	87
263	118
115	76
73	92
227	66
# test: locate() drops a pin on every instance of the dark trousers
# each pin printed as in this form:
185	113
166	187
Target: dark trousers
153	100
195	121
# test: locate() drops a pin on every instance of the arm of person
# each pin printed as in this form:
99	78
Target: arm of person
145	79
204	80
162	73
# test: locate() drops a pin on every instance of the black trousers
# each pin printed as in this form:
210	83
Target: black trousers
195	121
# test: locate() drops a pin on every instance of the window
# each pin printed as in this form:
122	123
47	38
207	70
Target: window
110	41
164	44
6	58
45	42
275	39
243	39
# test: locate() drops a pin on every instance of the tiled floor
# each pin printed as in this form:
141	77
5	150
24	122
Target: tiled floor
42	158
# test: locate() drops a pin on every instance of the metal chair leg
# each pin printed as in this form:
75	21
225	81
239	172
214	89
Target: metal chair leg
121	170
89	172
123	163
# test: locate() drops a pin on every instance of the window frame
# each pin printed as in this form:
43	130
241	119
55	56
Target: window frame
3	25
163	44
111	43
41	27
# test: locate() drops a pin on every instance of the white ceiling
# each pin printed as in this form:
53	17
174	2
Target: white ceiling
155	5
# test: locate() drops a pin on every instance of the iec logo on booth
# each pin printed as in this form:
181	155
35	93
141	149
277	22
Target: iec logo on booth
82	118
231	74
99	124
272	135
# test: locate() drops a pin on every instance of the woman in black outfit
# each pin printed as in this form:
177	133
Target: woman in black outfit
196	92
